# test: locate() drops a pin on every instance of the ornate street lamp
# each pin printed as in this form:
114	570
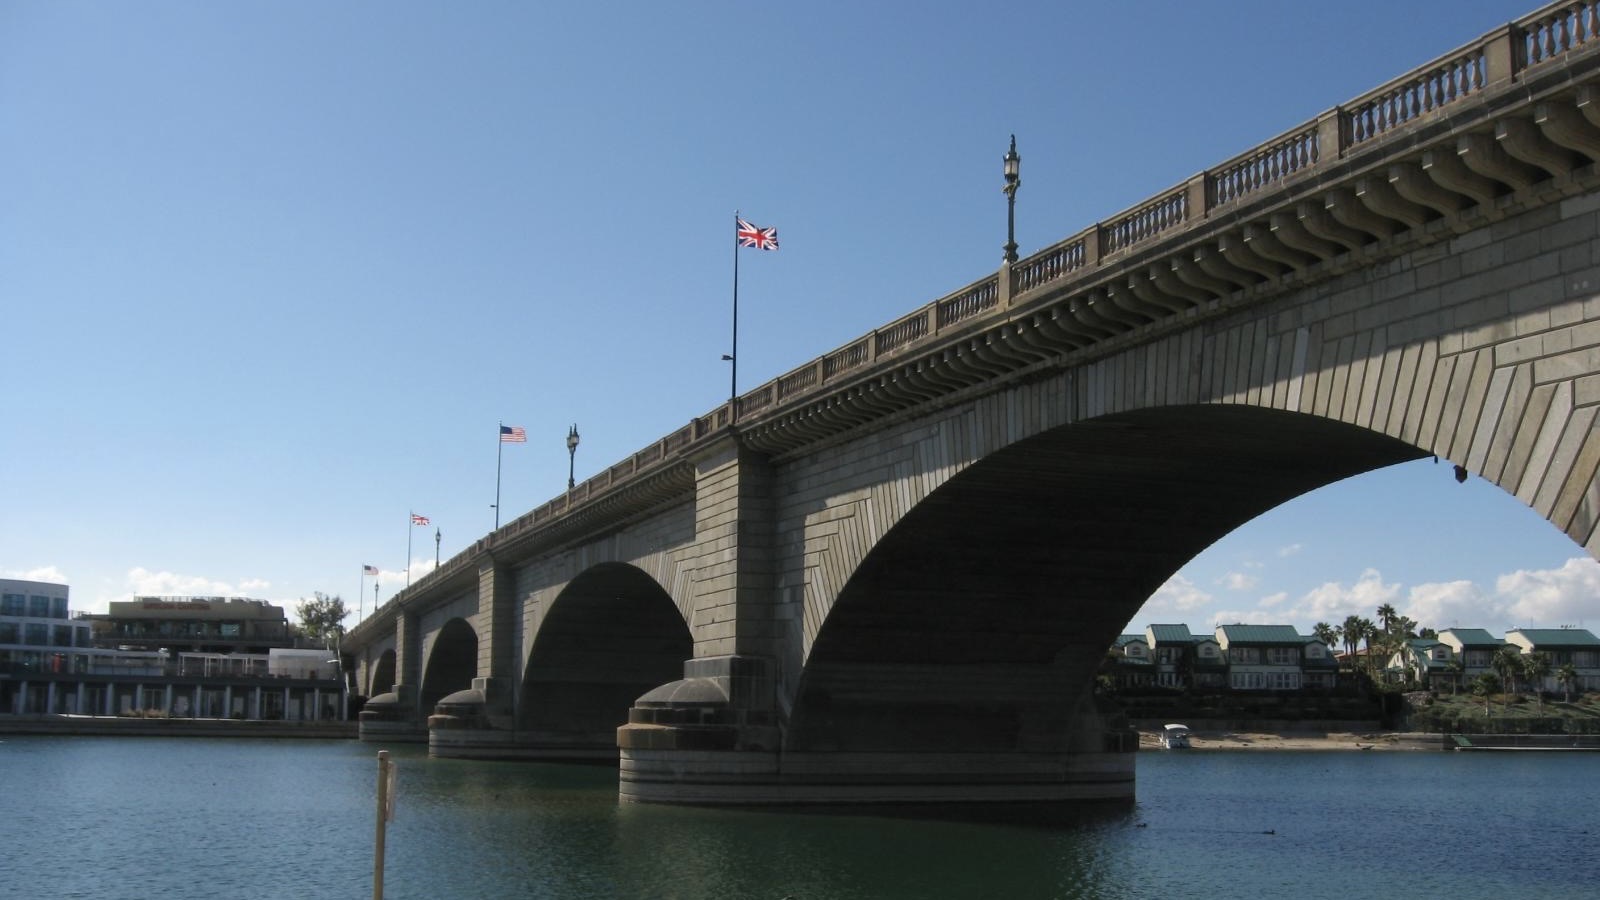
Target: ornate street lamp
436	547
1013	173
572	454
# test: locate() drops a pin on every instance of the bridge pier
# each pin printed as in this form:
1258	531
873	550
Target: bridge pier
391	717
709	739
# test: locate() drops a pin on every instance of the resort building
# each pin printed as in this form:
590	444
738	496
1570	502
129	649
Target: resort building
1575	647
174	657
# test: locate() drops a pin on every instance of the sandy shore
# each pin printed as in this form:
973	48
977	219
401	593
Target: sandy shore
1306	740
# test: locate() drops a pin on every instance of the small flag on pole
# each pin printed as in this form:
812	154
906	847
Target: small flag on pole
513	434
418	520
759	238
369	570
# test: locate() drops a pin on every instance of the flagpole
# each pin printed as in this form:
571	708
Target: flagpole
411	525
733	358
499	445
361	594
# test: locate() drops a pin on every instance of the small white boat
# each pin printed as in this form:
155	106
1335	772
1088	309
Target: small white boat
1175	737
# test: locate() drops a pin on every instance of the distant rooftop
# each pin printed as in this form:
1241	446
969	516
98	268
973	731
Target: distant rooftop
1557	637
1260	634
1472	637
1176	634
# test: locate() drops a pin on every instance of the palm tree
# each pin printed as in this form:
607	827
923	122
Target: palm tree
1326	633
1368	632
1456	670
1386	616
1507	663
1483	686
1567	676
1535	668
1350	632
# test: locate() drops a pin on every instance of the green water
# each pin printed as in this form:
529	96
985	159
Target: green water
181	818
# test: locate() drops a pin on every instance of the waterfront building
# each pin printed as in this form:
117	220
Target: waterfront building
1262	657
36	633
162	657
1429	660
193	624
1577	647
1134	666
1474	648
1172	646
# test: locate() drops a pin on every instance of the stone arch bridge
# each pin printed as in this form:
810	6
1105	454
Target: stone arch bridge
889	576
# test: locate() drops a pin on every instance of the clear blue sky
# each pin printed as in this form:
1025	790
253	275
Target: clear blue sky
272	273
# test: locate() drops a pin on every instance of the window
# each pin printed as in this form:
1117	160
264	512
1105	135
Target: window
13	605
1285	681
1282	656
1134	650
39	605
61	636
58	607
1247	681
1247	656
8	632
1209	651
1586	659
37	635
1313	651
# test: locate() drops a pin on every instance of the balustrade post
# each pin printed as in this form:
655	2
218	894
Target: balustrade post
1197	198
1007	281
1091	247
1502	55
1332	135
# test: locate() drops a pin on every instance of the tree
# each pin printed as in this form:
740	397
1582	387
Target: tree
1327	634
1386	616
1350	633
1456	670
322	618
1567	676
1507	663
1484	686
1535	668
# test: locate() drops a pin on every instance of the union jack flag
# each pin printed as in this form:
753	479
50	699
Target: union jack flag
759	238
418	520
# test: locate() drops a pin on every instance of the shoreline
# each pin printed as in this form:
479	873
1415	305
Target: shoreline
1202	739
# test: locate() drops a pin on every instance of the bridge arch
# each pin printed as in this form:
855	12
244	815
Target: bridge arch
611	635
976	622
452	663
381	680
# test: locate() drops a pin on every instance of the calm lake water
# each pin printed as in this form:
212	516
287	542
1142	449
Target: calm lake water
196	818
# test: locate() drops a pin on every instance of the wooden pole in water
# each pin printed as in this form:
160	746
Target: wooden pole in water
383	816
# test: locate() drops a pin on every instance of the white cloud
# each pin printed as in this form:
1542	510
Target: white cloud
1170	601
1238	581
1451	604
46	574
1272	600
143	582
1551	597
254	585
1290	550
1245	617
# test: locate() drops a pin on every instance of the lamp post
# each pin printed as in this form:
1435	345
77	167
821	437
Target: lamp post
436	546
572	454
1013	169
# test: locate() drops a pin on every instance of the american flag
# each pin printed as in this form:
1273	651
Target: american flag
418	520
513	434
369	570
759	238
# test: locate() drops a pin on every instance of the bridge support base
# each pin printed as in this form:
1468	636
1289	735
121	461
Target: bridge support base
746	778
391	718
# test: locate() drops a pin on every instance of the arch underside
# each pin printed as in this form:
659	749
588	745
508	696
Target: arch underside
613	635
978	622
452	663
382	675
